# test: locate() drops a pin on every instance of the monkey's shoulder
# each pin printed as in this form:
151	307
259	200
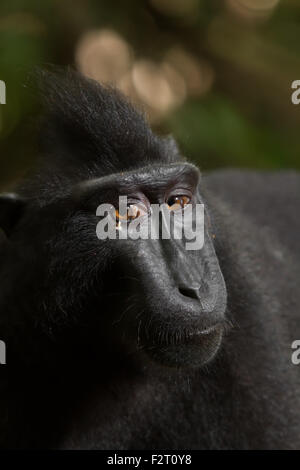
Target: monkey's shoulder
266	201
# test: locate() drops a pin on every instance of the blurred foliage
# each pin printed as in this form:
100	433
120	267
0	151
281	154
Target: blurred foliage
226	95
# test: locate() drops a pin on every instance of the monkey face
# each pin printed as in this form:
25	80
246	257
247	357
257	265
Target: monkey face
171	300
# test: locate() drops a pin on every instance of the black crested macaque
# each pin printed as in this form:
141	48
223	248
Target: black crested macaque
142	344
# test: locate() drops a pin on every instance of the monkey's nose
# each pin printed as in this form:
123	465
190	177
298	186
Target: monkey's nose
193	291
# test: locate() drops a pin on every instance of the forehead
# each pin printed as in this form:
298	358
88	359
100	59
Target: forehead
149	177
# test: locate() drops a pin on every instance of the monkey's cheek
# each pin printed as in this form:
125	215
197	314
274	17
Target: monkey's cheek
196	351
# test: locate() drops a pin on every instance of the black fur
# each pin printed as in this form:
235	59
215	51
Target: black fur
78	315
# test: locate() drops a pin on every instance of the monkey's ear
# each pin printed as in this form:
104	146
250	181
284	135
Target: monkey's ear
11	209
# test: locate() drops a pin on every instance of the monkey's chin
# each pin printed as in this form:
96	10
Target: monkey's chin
196	351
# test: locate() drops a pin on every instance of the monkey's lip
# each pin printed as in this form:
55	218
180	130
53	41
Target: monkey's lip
199	337
193	350
207	331
189	337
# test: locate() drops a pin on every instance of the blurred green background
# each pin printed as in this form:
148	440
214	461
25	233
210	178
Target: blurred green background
215	73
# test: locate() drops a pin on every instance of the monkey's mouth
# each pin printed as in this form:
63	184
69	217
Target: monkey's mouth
190	350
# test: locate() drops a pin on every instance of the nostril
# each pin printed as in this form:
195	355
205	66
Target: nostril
191	292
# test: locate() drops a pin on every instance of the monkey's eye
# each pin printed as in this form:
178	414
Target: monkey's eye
133	211
178	202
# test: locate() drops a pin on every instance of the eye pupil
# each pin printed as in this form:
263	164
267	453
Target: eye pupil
177	202
133	212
